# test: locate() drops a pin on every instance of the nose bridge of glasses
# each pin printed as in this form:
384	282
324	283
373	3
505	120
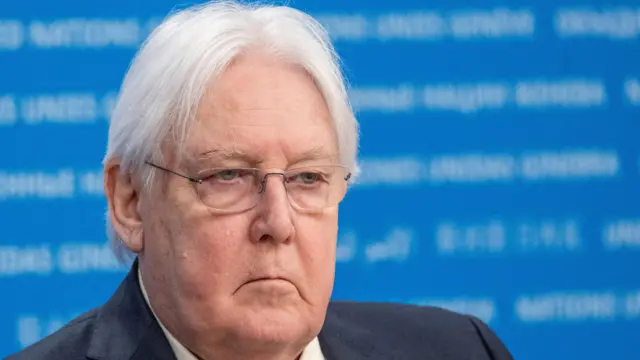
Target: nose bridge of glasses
265	175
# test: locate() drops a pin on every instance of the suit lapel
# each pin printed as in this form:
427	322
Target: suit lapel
339	340
125	327
154	345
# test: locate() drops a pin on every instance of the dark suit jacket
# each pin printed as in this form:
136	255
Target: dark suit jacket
125	329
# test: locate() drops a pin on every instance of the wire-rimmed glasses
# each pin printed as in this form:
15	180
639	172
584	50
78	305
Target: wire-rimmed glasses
236	189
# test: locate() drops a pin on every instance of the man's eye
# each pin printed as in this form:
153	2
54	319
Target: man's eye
226	175
308	177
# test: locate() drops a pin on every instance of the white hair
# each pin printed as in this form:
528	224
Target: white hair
167	78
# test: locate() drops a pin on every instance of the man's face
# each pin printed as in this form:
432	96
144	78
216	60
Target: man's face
200	267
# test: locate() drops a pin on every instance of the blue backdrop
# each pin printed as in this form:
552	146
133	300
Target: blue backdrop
500	160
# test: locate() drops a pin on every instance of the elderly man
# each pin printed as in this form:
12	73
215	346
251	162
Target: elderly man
229	150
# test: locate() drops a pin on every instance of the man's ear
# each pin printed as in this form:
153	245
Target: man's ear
123	200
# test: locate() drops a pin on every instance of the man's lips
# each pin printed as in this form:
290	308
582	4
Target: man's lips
280	282
266	278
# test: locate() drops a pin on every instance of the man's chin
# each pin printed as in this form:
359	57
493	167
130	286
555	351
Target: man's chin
275	325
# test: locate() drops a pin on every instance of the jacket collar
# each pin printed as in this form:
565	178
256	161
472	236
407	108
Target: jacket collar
125	328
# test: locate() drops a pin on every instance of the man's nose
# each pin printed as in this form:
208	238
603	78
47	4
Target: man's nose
274	221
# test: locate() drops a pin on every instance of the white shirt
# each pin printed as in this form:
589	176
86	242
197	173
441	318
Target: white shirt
311	352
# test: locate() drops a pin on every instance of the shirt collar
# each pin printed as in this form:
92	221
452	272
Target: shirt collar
311	352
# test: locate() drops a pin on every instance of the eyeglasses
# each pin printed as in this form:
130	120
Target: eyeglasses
309	188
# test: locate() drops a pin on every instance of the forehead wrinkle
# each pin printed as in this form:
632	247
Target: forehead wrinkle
217	149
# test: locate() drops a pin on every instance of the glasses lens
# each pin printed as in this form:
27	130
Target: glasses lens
311	188
229	189
316	187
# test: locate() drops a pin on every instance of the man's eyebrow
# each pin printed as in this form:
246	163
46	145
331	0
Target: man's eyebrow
222	153
225	154
317	153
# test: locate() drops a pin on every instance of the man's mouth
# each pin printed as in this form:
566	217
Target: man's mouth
268	278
